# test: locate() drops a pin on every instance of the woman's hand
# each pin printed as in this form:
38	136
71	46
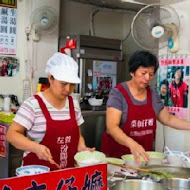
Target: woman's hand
42	152
83	147
137	150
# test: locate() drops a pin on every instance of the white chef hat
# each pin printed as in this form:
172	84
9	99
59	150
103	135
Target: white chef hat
63	68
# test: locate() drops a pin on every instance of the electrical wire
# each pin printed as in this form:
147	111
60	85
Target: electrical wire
93	13
127	36
96	10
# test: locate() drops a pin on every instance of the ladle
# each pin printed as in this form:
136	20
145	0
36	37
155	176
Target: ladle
169	151
53	162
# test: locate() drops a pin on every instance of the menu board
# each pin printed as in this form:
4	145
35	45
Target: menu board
8	22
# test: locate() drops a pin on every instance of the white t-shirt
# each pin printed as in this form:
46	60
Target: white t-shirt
31	117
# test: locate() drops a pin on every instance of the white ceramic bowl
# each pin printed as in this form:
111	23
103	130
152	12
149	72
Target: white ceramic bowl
156	158
95	102
87	158
111	168
31	170
129	161
174	158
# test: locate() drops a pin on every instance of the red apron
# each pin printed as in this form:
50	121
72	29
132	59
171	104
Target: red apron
61	137
140	125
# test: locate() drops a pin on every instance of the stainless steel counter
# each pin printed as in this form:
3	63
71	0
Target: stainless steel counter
93	113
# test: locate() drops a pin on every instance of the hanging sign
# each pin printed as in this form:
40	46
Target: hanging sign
173	79
2	141
84	178
8	21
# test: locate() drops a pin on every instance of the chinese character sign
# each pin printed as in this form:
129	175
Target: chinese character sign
8	21
173	78
84	178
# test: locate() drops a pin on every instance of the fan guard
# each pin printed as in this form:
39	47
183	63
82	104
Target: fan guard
150	16
44	20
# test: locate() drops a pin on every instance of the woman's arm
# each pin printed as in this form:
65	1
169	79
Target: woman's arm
113	117
15	135
170	120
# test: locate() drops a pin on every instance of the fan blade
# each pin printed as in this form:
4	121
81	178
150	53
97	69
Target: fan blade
44	20
157	16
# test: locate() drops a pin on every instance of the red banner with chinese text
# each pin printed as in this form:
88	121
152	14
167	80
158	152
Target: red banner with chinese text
83	178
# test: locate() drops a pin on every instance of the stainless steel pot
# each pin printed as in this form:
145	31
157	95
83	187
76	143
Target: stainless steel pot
180	177
176	183
135	185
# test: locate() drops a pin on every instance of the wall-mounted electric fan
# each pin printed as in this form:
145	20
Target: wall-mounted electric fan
44	20
156	26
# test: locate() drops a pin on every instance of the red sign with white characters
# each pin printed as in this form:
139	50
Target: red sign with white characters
83	178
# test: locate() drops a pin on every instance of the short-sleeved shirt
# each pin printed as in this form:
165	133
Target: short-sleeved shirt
31	117
116	100
177	92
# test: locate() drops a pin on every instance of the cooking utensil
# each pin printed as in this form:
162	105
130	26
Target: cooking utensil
53	162
169	151
140	169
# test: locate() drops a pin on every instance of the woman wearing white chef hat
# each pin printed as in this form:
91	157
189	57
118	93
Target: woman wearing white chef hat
51	119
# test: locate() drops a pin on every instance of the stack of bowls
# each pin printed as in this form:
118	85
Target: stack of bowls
175	158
